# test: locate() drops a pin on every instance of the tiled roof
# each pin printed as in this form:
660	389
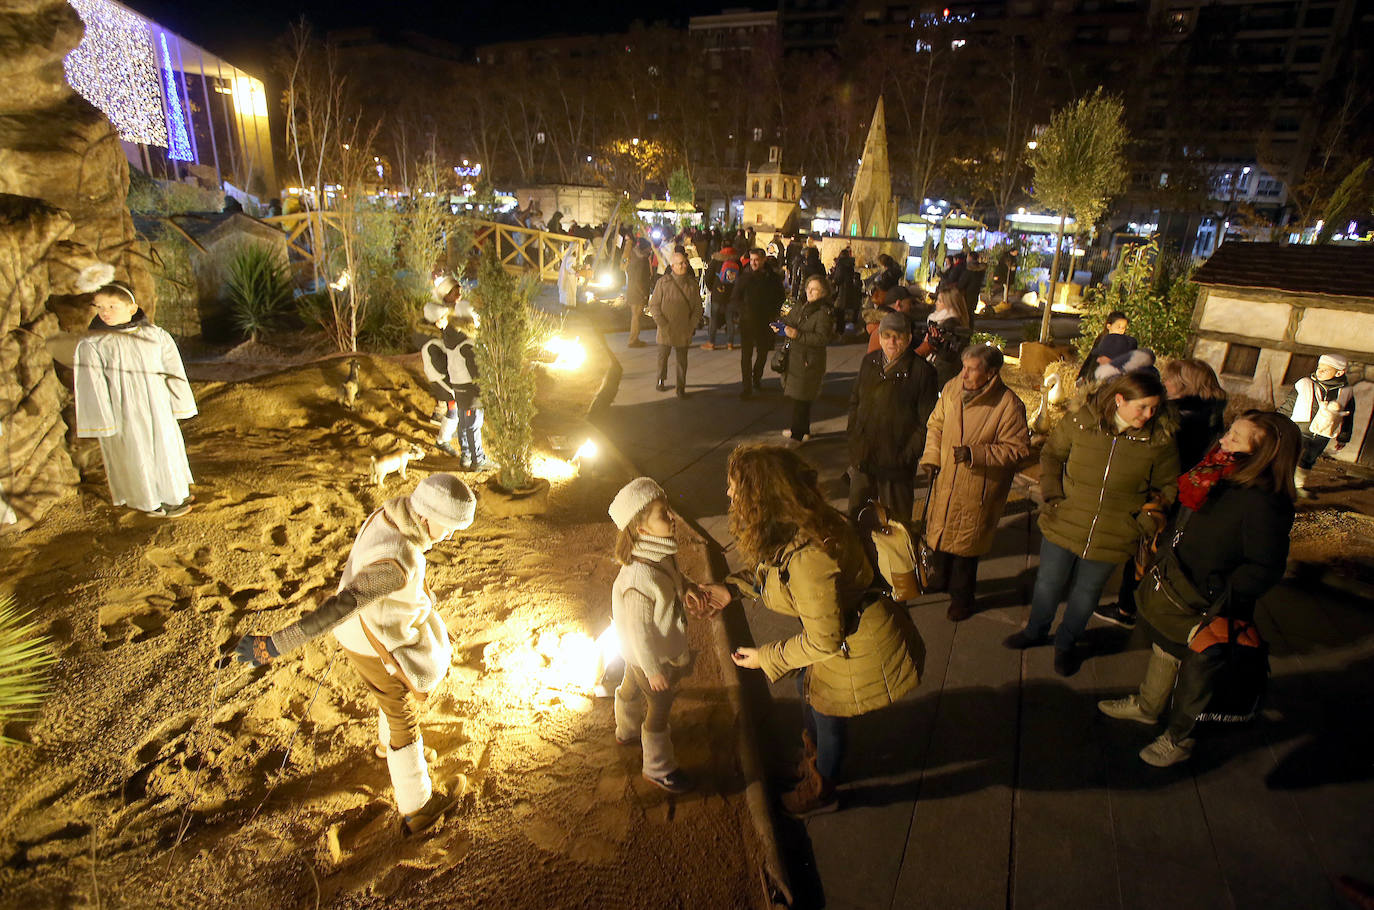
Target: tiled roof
1345	271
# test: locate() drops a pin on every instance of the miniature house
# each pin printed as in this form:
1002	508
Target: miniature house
1266	312
772	199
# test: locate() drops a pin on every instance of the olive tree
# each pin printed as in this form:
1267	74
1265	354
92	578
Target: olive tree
1079	166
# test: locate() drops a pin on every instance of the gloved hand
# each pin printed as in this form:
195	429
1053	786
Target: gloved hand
963	455
255	649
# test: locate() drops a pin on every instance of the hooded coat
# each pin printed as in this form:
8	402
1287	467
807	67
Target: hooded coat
1094	481
820	590
676	308
888	411
968	499
815	325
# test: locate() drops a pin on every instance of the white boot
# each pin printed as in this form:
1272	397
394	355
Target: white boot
447	428
659	758
1300	481
409	777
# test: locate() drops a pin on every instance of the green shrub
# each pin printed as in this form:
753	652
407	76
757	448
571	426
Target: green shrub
148	196
25	662
1155	293
996	341
510	333
259	288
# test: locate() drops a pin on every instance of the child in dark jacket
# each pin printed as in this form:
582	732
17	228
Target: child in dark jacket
450	365
1112	344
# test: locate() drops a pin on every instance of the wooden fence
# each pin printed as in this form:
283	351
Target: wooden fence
519	249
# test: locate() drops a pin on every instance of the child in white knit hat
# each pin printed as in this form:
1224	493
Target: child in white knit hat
1323	407
648	605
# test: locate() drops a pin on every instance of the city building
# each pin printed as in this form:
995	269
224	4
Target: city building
181	112
772	198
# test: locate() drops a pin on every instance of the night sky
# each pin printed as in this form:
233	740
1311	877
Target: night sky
240	30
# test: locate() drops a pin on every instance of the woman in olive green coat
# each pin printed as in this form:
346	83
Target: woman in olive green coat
808	326
855	649
1099	467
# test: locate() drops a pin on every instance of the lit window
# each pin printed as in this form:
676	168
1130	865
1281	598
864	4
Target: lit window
758	134
539	138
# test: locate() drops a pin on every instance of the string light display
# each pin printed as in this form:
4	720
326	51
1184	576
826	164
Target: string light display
114	69
179	144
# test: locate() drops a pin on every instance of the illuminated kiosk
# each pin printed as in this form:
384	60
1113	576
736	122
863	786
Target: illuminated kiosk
868	215
181	112
772	198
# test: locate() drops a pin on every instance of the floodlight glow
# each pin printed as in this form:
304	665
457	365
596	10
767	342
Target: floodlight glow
588	449
568	355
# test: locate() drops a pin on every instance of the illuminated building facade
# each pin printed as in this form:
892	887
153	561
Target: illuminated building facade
181	111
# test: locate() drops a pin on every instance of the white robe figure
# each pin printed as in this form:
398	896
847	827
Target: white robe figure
131	390
567	277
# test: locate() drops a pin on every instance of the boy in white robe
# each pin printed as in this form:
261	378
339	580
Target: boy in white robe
131	390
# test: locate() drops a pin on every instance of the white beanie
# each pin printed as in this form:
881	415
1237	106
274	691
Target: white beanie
632	499
1335	361
445	500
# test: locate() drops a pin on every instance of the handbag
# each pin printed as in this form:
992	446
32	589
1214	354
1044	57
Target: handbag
1168	599
1233	658
778	362
930	567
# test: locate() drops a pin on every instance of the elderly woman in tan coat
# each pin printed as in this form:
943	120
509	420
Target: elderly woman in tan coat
854	650
976	437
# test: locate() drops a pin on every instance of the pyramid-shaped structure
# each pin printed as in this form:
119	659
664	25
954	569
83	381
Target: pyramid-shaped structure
869	208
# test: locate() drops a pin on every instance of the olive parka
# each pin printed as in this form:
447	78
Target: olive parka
807	582
1095	480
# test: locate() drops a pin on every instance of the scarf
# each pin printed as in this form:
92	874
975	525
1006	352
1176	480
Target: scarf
400	511
138	319
1194	485
1328	389
654	549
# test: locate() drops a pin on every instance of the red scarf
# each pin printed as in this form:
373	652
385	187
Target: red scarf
1194	486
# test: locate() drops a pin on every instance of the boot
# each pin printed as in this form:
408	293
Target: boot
660	763
629	715
808	756
813	795
1300	481
439	802
409	777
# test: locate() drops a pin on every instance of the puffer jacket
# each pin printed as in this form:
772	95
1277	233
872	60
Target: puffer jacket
968	499
1094	482
806	582
888	410
1200	424
815	325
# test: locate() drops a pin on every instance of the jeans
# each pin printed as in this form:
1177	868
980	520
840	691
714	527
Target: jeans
801	419
829	733
1125	600
663	351
723	317
1312	448
470	435
1061	570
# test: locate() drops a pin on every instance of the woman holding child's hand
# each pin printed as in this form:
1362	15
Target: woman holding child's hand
807	561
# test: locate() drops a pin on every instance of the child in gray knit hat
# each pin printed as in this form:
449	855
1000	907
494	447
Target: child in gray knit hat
648	606
391	632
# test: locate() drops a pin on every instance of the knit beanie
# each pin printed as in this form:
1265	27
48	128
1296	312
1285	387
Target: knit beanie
445	500
1335	361
895	322
632	499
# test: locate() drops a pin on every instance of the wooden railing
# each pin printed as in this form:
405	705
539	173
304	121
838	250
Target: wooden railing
519	249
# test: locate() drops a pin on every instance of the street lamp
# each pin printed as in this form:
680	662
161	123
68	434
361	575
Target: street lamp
1032	145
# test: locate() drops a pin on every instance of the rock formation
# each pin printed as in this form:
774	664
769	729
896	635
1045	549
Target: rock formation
63	183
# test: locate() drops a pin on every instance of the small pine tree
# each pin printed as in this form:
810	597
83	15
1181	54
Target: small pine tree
24	664
511	330
1157	300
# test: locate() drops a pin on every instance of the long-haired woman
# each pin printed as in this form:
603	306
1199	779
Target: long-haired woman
854	650
1100	466
809	327
1231	539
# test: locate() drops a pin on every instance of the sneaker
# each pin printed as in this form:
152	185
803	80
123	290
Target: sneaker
1066	663
440	801
1304	493
167	510
1164	752
678	781
1116	616
801	805
448	449
1127	708
707	346
430	755
661	386
1019	641
486	464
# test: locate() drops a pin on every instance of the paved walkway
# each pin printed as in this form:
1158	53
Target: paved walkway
998	784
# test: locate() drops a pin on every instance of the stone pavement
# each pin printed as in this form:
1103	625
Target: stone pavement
998	784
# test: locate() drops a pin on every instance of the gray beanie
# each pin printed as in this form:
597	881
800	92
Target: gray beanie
895	322
445	500
632	499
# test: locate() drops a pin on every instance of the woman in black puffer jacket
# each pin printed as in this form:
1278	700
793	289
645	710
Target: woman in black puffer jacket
1231	537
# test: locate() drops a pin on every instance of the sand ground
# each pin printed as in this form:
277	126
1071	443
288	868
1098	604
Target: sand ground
153	778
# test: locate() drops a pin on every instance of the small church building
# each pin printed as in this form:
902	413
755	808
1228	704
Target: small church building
1266	312
772	199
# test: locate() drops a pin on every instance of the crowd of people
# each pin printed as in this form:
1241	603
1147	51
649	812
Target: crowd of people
1143	479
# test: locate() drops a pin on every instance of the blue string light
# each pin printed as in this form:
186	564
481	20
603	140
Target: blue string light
179	143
